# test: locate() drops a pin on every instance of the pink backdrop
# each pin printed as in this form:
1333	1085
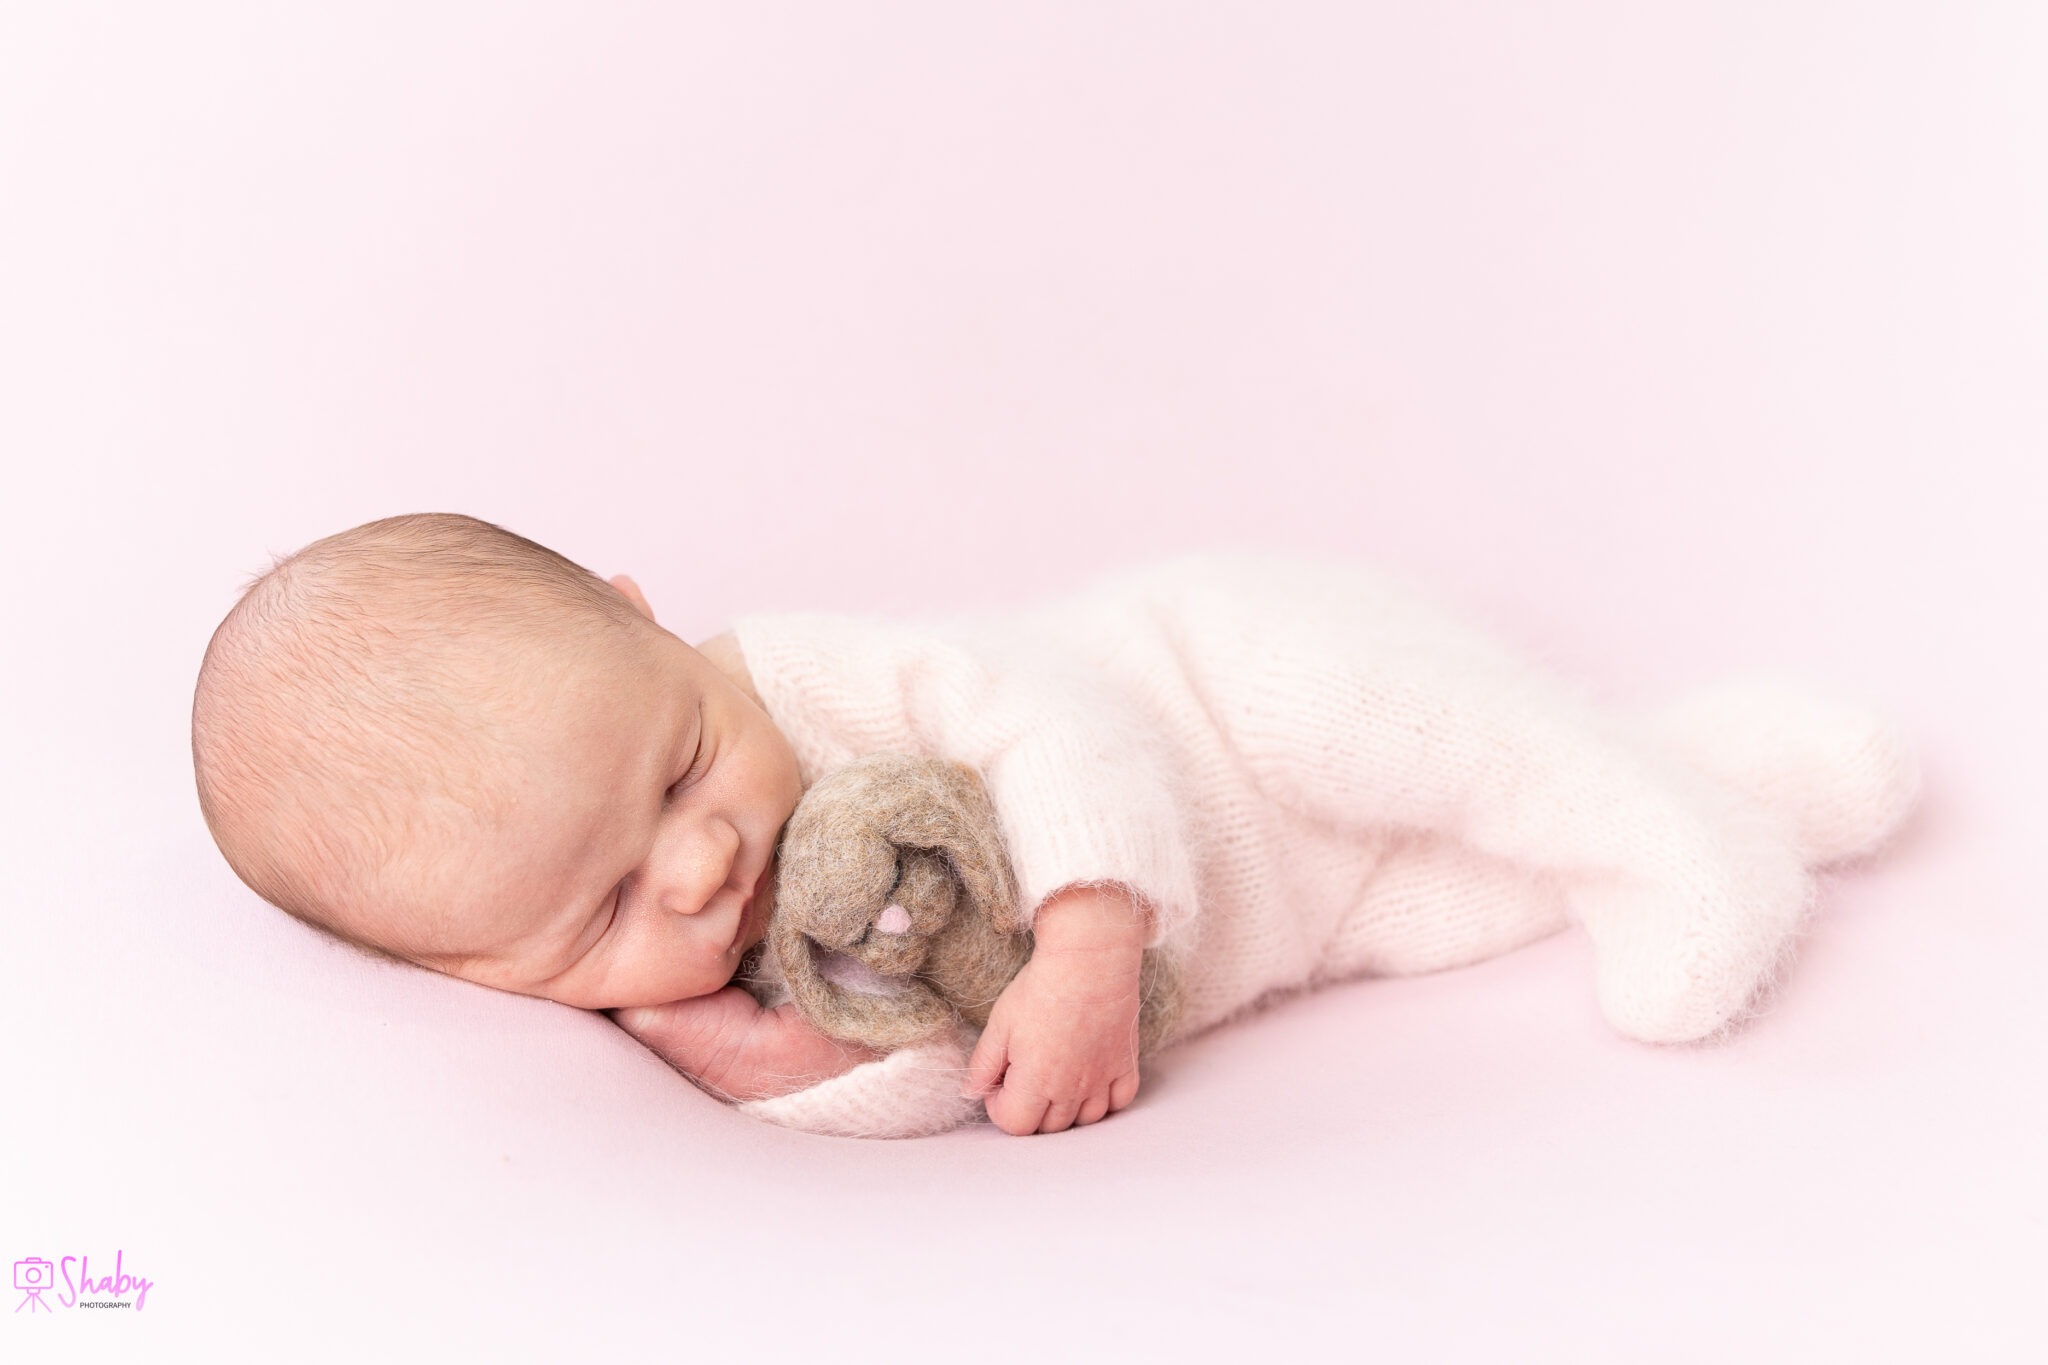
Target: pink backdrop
1673	340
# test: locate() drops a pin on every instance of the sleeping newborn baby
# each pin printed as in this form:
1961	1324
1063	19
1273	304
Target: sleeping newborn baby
452	747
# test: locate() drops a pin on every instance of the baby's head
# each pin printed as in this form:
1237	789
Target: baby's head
448	745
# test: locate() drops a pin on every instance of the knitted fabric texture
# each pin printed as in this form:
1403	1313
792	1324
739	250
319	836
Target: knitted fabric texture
1312	773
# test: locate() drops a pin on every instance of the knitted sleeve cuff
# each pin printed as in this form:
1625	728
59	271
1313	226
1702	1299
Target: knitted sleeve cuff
1082	813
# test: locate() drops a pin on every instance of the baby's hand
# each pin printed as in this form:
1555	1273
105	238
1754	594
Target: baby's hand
1061	1046
733	1047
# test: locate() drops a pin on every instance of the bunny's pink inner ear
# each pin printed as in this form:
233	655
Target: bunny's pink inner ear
893	920
851	974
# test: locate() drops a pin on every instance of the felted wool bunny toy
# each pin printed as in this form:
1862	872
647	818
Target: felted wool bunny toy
896	927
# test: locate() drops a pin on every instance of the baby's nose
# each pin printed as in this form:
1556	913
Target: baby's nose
691	864
690	896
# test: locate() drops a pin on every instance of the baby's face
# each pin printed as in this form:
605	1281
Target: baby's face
630	859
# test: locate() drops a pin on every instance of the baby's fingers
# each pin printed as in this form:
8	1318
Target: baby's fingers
1059	1116
1017	1111
689	1033
991	1057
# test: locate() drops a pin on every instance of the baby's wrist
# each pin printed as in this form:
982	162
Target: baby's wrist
1097	918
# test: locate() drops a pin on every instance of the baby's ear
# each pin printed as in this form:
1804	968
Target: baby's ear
631	592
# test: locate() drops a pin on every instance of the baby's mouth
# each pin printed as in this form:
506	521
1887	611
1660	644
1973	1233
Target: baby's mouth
770	882
745	925
754	911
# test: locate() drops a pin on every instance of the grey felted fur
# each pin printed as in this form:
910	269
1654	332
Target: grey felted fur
920	833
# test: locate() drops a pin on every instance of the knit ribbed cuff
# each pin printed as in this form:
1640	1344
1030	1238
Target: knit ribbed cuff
1083	832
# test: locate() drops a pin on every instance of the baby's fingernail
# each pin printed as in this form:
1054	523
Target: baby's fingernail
643	1019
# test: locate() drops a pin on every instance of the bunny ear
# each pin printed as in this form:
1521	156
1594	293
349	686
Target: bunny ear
905	801
907	1016
956	819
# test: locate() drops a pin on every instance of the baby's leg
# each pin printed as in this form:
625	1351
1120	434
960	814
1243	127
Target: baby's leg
1433	905
1364	709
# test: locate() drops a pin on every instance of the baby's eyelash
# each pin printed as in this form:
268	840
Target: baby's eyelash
610	915
696	761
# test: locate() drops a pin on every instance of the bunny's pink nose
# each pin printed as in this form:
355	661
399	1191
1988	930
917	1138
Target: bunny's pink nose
894	920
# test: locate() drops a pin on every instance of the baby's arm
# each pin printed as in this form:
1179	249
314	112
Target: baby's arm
728	1043
1061	1046
1082	781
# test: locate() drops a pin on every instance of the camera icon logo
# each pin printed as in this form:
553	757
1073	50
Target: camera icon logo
32	1275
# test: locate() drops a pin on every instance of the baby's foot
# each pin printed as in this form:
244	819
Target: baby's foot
1686	940
1845	778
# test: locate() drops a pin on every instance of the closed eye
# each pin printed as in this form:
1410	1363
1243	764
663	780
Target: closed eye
605	918
611	913
689	776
